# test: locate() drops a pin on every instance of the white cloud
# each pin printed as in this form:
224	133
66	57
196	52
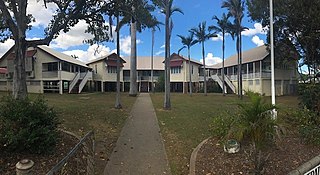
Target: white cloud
159	52
41	14
74	37
258	29
211	60
4	47
219	38
125	44
256	40
163	46
91	53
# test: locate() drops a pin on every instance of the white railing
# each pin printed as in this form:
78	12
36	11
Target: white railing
74	81
230	84
216	78
85	80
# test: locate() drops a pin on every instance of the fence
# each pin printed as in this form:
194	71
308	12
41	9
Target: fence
79	161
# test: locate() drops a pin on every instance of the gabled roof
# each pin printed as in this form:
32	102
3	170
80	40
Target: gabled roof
144	63
112	56
61	56
252	55
56	54
176	56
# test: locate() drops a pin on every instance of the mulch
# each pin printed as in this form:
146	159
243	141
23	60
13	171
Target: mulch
42	163
285	156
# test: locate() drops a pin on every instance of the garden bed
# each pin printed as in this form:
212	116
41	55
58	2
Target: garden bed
286	156
42	163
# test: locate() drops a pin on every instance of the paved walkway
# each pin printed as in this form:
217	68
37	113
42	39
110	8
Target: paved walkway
139	149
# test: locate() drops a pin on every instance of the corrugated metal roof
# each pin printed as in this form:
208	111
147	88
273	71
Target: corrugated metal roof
255	54
62	56
144	63
112	56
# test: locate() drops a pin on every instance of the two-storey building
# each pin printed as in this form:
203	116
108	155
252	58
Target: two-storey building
256	73
47	71
105	72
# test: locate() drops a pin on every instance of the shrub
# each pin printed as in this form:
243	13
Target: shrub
308	123
254	122
160	84
27	126
309	96
221	125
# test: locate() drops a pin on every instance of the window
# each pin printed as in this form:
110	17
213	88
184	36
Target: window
257	82
96	68
52	66
176	70
112	69
65	66
250	82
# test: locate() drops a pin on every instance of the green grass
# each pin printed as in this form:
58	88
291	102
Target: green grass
188	122
80	113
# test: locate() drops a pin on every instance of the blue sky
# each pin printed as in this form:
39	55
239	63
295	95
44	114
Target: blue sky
194	13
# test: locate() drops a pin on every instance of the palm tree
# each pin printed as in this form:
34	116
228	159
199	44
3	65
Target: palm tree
168	9
140	18
202	35
223	26
118	101
153	26
236	8
188	42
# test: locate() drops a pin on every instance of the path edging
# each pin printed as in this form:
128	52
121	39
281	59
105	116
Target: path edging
193	158
306	166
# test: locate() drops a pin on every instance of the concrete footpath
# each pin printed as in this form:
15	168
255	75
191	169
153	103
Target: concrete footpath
139	149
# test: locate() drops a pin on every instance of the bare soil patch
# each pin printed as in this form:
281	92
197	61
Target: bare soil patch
284	157
42	163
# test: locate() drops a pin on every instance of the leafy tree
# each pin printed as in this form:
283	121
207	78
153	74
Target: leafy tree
168	9
296	30
236	8
202	35
224	26
14	22
188	41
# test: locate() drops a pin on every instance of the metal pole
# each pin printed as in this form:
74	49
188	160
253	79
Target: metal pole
273	94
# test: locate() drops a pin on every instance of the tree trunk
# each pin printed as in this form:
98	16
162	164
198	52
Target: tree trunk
167	102
118	102
238	74
240	56
204	71
19	75
152	85
190	80
133	59
223	47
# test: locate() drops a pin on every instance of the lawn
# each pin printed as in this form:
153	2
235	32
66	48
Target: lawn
188	122
80	113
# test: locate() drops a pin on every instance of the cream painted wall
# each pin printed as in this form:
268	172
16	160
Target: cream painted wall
102	72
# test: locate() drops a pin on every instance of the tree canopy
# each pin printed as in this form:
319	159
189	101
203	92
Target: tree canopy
296	28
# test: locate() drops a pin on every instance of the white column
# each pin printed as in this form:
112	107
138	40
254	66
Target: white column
102	86
60	78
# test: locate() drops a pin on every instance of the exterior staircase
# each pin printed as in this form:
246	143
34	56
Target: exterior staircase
79	81
74	82
84	81
227	80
